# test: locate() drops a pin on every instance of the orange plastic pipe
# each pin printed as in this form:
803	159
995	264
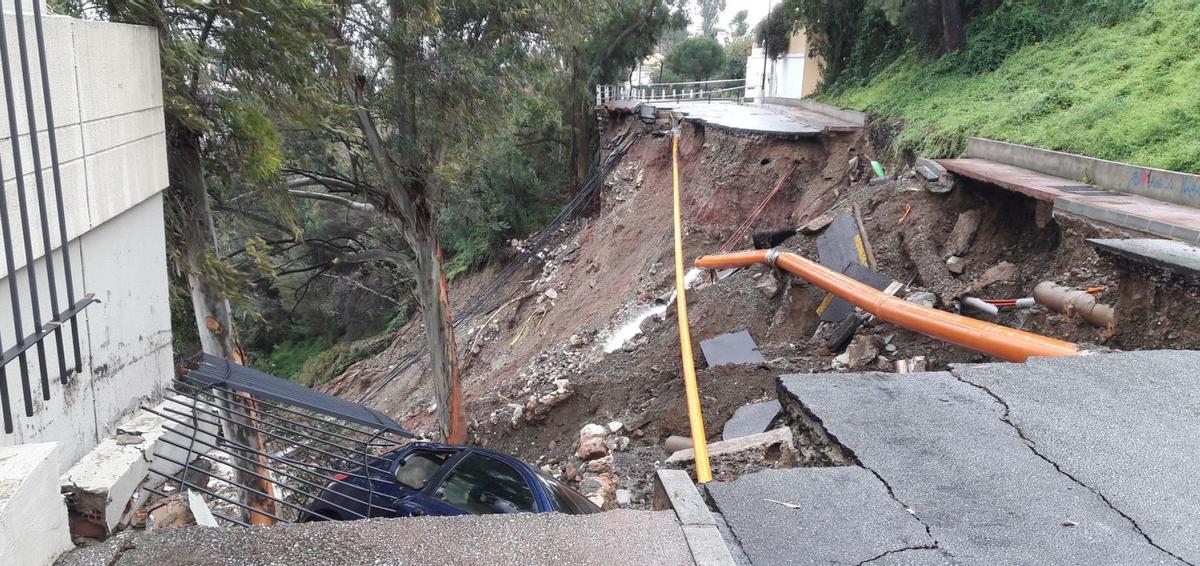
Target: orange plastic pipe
995	340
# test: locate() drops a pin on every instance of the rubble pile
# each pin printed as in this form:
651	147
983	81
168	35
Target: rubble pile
592	469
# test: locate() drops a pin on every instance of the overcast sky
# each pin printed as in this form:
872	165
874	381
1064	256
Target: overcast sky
757	9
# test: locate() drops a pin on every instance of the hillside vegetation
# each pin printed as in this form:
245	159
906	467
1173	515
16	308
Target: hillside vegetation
1110	80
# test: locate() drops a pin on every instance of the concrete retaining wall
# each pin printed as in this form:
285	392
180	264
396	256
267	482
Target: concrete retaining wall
106	89
1159	184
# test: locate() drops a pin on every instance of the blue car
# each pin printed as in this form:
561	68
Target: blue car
423	478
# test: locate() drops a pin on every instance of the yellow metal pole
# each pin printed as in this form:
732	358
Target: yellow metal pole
699	441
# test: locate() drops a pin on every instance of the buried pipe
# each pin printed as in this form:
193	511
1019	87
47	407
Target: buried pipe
1006	343
1068	301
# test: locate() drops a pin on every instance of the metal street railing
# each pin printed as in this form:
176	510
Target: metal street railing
729	89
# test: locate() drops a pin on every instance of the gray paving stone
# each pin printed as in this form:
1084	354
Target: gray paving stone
751	419
1126	425
987	497
731	348
843	515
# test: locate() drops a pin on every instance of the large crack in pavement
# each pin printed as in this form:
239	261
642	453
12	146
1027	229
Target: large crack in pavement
840	447
1005	418
898	551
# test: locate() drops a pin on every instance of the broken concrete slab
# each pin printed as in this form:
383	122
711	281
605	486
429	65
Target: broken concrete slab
1173	256
1123	425
33	518
100	486
731	348
751	419
942	447
840	515
771	449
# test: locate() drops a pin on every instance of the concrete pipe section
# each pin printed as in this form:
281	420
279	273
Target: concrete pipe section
1002	342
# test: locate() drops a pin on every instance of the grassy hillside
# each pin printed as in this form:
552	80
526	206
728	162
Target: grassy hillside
1129	91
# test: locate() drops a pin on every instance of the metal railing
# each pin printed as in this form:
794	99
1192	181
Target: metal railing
49	317
729	89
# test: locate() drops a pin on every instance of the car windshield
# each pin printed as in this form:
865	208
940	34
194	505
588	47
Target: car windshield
485	485
416	468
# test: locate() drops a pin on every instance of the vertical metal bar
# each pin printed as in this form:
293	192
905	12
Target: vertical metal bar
52	140
40	185
4	402
14	293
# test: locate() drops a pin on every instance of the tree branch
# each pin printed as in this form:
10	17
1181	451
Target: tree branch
326	197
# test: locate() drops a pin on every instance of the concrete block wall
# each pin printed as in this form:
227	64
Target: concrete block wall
106	90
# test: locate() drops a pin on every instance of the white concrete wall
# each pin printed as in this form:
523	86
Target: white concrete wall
107	97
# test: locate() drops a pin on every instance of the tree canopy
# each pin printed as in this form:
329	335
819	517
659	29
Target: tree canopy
696	58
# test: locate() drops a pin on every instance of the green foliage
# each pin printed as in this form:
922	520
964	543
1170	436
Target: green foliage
696	58
1121	90
736	52
738	25
290	356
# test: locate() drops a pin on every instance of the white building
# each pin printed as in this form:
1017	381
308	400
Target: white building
796	74
106	93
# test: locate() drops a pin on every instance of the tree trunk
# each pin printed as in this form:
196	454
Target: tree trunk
214	320
953	27
408	202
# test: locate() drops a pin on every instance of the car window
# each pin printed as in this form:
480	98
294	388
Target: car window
418	467
565	499
483	485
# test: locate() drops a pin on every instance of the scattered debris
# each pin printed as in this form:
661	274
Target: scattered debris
731	348
861	352
594	468
772	449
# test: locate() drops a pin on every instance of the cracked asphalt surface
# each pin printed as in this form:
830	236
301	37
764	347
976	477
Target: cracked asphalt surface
842	514
1066	478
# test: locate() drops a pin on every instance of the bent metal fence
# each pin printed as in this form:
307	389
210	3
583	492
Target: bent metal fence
49	307
311	441
728	89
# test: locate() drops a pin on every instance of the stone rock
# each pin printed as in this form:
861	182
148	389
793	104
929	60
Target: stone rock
578	341
592	449
600	490
592	430
614	426
929	169
956	265
1003	271
922	298
624	498
617	443
861	352
926	173
963	233
551	294
599	466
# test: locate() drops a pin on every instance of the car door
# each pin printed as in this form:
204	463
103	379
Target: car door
478	484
